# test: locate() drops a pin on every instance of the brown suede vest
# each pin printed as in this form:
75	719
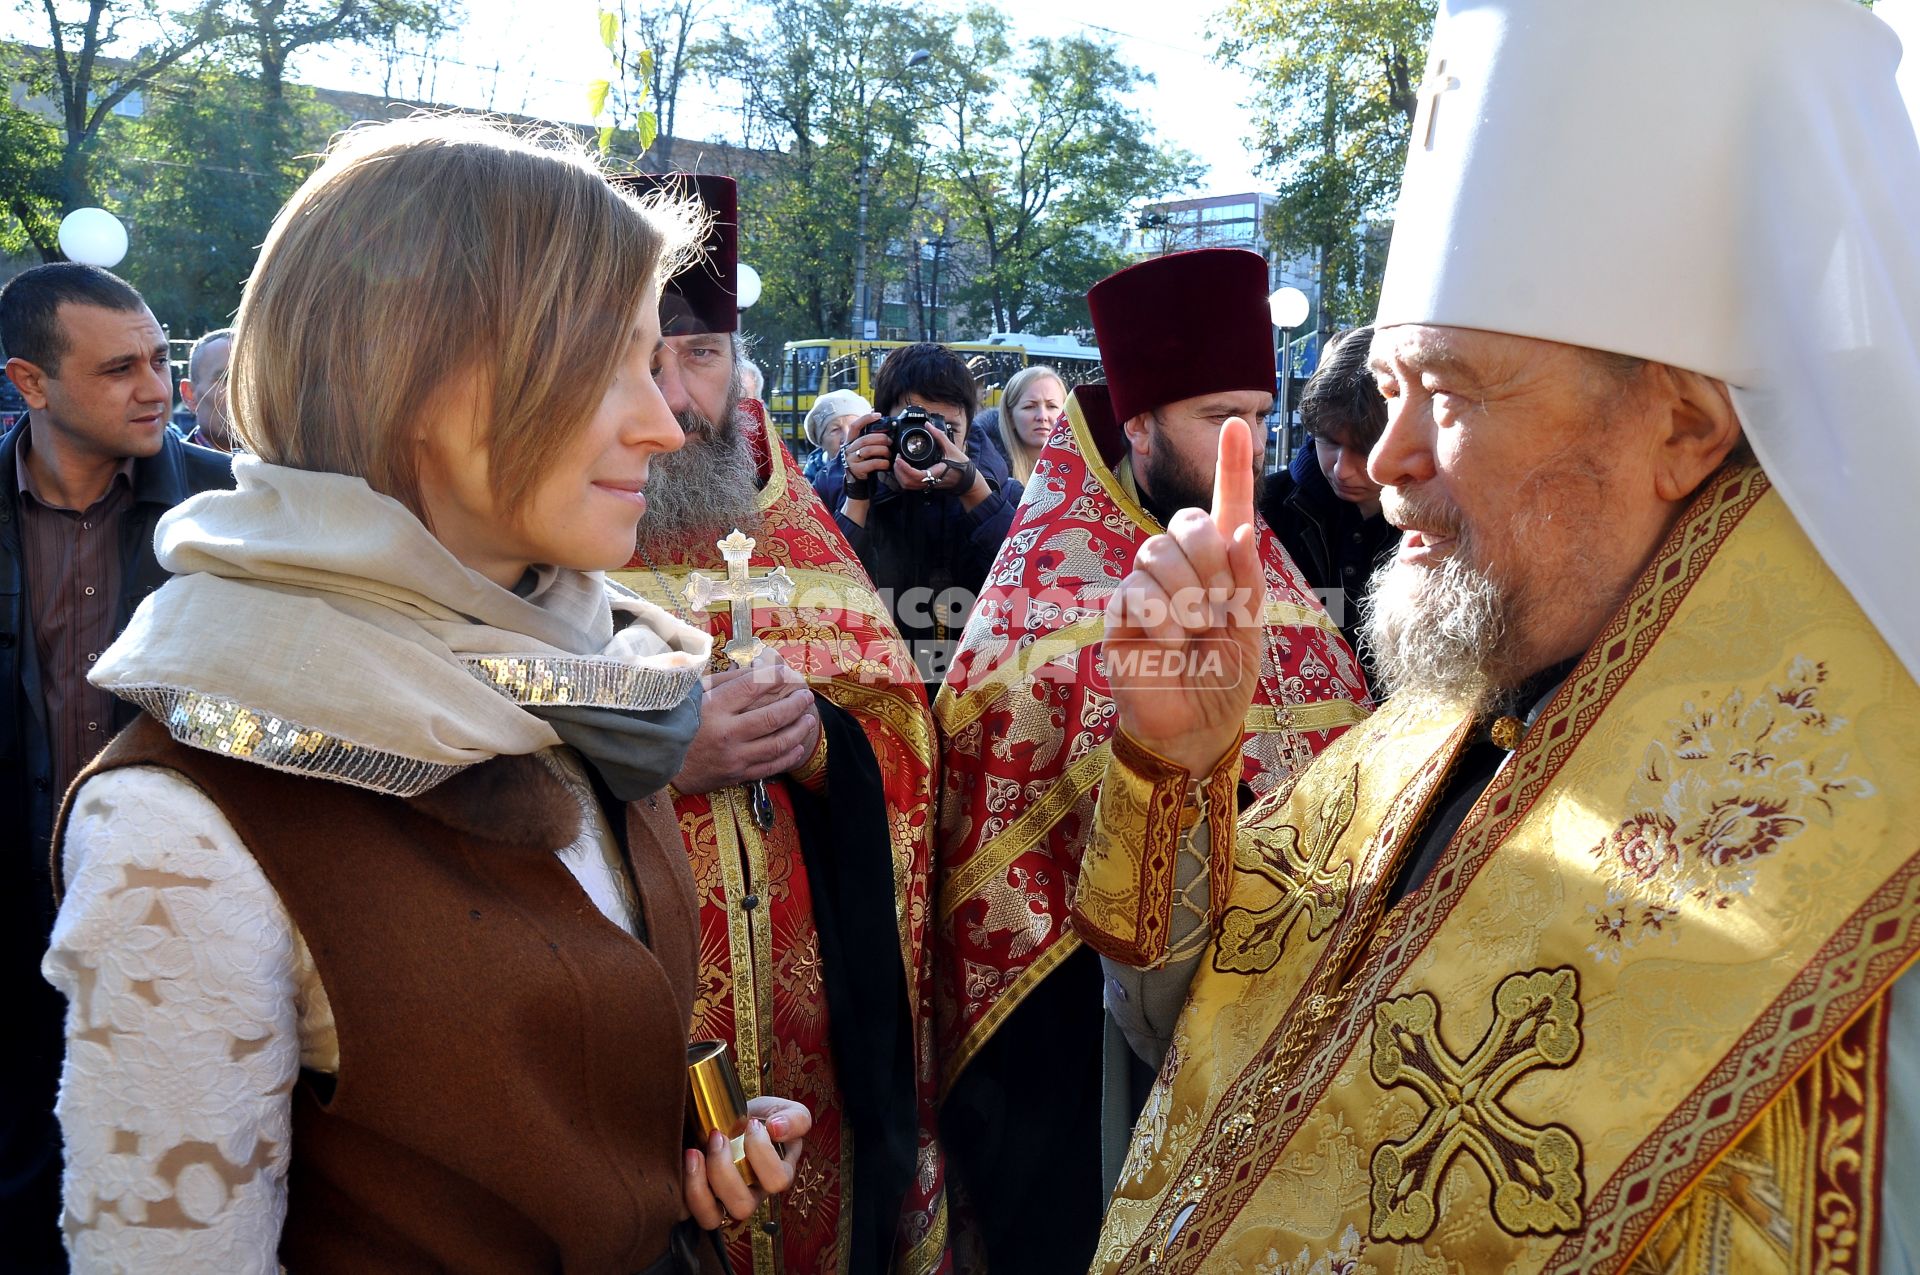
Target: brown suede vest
512	1064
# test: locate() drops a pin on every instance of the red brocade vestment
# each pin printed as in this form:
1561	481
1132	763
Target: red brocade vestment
1026	719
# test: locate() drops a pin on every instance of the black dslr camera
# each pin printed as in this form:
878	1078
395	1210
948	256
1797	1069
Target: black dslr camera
910	434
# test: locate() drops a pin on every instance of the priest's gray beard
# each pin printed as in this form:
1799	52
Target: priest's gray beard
705	489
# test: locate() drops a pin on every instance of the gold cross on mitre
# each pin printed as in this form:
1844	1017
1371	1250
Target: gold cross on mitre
1436	83
739	589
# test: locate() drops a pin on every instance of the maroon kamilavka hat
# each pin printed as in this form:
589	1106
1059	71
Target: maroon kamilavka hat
1183	325
704	296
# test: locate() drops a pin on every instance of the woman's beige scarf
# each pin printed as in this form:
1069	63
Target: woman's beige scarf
317	626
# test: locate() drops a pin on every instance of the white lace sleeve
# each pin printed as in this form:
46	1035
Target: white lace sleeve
180	969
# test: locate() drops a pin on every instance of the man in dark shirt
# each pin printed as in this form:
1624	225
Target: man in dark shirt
83	480
1324	508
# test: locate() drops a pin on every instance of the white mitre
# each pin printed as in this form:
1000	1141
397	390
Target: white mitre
1904	17
1729	186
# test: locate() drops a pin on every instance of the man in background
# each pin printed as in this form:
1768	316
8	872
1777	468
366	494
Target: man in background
83	479
204	390
1324	506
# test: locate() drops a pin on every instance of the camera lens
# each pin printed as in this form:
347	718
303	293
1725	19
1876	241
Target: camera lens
918	447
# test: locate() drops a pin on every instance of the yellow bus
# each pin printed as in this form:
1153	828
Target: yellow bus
809	369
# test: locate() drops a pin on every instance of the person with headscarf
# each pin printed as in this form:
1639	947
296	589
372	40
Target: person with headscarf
826	429
1586	952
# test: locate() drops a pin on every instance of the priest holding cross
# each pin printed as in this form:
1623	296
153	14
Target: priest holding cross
805	803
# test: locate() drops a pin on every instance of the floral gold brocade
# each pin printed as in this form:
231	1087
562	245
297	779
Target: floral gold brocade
1736	746
1728	786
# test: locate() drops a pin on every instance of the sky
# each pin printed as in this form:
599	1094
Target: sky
503	60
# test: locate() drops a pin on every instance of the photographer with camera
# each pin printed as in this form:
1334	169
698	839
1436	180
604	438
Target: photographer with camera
925	520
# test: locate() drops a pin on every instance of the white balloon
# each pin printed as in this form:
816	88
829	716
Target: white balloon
1288	307
746	286
93	237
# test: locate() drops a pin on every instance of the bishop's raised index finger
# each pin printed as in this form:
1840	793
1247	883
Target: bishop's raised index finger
1233	478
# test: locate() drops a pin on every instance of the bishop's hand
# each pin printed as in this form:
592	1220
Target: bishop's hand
1183	630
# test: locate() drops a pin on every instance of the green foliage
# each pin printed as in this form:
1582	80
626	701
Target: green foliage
85	87
826	86
29	177
627	94
199	172
654	44
1027	162
272	31
199	178
1042	170
1340	88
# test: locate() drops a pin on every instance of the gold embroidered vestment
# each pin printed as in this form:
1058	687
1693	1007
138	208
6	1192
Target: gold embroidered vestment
1631	1021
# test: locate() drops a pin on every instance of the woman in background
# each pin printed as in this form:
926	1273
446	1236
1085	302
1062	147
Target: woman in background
826	428
1034	401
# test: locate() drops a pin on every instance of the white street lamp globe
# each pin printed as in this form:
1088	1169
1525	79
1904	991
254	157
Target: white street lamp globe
93	237
1288	306
746	286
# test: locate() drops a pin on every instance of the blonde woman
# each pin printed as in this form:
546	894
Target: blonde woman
1034	401
379	952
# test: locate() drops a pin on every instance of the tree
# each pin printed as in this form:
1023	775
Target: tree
86	86
1342	84
203	172
275	30
825	87
656	47
29	175
1043	169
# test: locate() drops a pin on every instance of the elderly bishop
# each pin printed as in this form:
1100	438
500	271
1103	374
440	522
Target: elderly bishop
1586	952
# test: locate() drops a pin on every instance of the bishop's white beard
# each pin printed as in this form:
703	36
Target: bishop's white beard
1436	634
707	488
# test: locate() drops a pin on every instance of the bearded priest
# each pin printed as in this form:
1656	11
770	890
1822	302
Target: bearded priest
1027	713
1584	954
806	804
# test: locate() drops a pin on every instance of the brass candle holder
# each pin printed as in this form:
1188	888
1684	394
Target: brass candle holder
716	1103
